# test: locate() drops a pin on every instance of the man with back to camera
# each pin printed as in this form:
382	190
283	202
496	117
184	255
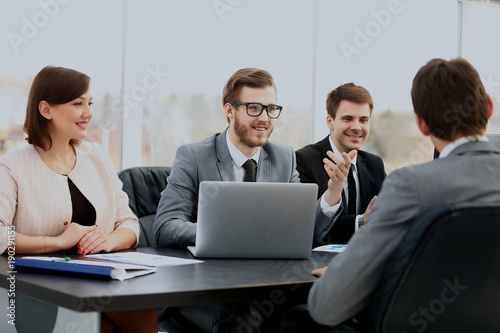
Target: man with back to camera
249	101
349	109
452	107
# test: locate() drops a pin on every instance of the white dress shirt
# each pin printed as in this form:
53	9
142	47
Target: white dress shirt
239	159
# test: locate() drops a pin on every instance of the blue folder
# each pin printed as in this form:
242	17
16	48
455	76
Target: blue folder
66	267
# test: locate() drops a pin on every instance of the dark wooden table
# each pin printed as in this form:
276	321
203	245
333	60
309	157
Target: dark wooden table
214	280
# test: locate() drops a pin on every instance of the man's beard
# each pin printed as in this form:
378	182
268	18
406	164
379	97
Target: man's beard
243	134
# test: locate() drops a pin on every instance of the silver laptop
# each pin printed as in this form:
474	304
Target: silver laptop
255	220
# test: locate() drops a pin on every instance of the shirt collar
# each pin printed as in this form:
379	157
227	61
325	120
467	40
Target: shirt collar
339	155
452	145
238	157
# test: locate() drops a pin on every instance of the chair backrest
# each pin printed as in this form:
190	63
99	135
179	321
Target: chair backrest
143	186
445	274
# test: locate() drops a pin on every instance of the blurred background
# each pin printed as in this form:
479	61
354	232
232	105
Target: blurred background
158	67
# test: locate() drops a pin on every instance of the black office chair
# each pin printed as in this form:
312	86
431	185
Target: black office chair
445	274
143	186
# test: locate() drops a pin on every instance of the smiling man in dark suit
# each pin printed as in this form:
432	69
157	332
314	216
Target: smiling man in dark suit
349	110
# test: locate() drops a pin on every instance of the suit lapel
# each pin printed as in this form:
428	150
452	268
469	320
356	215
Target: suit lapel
264	167
225	162
325	146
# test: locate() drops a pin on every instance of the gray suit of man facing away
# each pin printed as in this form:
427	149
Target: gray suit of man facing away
451	107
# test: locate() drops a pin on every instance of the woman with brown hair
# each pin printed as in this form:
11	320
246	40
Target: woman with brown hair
60	193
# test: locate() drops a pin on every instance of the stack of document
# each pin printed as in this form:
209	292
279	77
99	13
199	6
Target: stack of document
118	266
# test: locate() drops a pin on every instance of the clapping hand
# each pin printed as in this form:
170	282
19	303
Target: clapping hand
337	170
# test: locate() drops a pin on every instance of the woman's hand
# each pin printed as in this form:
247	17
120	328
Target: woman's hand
70	237
94	241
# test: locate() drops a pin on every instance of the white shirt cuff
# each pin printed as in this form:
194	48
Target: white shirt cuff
328	210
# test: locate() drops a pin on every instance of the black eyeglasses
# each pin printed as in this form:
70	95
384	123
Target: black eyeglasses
255	109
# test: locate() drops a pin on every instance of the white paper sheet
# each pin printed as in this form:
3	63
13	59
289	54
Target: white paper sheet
331	248
144	259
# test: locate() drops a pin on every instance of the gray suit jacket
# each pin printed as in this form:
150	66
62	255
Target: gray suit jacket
210	160
470	173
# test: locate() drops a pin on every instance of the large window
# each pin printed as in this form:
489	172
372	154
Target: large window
83	35
158	67
479	27
197	46
380	46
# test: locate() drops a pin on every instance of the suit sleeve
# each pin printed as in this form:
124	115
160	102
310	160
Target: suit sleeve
303	168
294	177
352	276
174	224
341	230
332	230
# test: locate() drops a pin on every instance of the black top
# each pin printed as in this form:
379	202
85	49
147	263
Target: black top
83	211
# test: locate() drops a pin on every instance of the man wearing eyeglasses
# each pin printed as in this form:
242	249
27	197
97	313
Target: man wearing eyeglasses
241	153
249	101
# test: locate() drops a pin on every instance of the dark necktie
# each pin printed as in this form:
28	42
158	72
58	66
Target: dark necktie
351	185
250	167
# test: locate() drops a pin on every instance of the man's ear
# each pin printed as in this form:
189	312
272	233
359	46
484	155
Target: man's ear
422	126
45	110
490	106
329	122
229	110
